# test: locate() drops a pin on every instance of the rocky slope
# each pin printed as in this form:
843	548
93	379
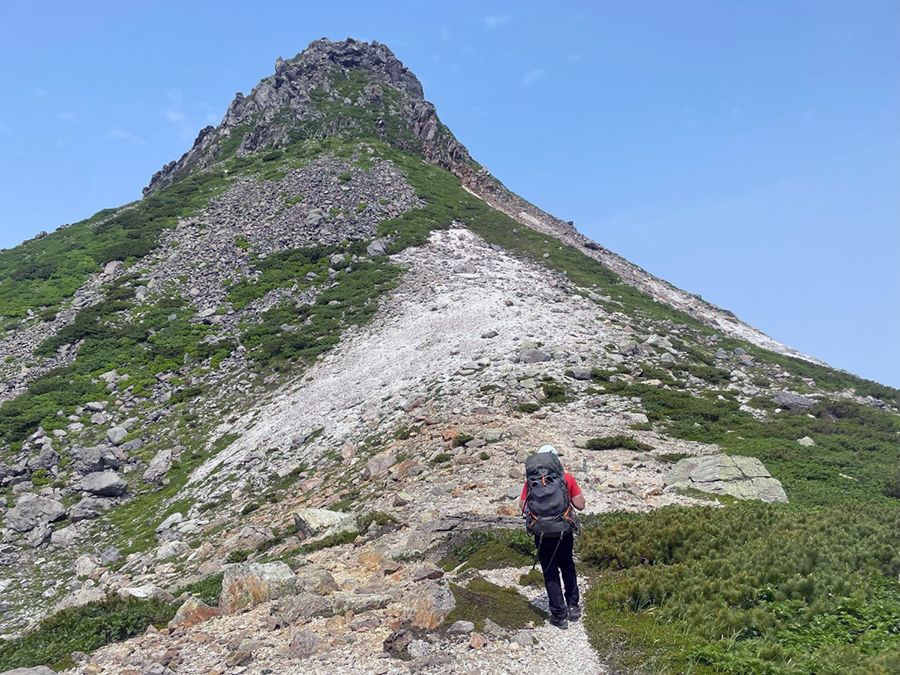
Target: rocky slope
316	355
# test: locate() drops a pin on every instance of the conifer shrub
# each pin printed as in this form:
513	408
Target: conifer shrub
207	590
83	629
748	588
616	442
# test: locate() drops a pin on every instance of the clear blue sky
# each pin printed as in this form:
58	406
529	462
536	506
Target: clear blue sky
746	151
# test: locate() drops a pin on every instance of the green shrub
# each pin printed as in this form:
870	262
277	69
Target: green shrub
490	549
672	457
533	578
528	407
83	629
207	590
380	518
616	442
462	439
748	588
238	556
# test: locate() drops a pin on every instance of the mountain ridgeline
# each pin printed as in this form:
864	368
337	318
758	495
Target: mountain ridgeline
299	380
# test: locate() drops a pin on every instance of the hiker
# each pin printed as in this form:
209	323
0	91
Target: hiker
547	501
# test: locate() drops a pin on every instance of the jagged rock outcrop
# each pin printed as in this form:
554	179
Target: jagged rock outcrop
298	101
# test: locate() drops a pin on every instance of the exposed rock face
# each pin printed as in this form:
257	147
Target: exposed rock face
739	477
290	102
249	584
31	511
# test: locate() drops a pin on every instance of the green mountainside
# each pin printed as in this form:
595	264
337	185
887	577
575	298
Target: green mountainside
170	361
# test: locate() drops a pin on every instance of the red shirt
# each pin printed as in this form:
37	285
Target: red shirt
574	490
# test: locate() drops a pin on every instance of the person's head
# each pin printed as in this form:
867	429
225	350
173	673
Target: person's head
547	448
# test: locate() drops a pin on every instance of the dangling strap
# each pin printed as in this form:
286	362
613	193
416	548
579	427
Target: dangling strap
537	552
558	542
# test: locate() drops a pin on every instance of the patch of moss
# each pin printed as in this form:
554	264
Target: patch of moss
533	578
482	600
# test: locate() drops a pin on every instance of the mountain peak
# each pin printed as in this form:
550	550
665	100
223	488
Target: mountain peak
346	89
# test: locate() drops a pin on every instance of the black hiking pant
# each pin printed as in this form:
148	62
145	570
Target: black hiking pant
556	560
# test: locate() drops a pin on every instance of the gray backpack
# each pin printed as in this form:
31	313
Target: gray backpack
548	509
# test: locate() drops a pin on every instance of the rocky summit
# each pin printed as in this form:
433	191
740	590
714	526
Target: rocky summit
273	417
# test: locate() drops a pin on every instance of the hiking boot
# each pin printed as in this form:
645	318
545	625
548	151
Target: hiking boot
574	612
562	624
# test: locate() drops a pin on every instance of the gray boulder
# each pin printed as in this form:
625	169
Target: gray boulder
461	627
39	535
304	643
315	580
380	463
580	373
791	401
377	247
116	435
87	508
31	511
90	460
104	484
36	670
47	458
534	356
64	537
158	466
739	477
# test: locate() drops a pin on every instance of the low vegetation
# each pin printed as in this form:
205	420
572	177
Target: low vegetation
83	629
749	588
482	600
490	549
620	442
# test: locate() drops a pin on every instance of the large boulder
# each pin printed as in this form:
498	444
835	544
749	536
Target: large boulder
315	580
32	510
116	435
104	484
304	643
249	584
791	401
146	592
192	611
534	356
87	508
739	477
158	466
298	609
79	598
380	463
428	603
91	460
311	522
47	458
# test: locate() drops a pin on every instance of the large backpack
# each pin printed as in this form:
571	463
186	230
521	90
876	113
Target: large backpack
549	511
